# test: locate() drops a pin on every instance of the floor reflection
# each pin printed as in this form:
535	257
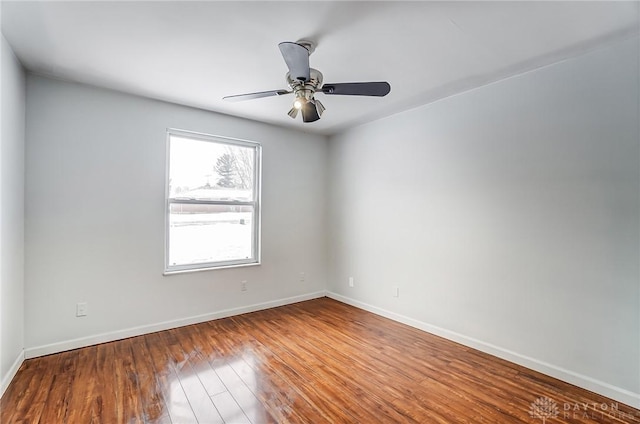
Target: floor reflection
232	389
178	405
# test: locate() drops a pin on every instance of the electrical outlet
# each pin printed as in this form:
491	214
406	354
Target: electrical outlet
243	285
303	276
81	309
396	292
350	281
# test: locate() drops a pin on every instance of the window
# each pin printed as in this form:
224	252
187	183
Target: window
213	202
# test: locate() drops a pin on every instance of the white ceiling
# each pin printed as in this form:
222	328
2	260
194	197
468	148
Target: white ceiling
194	53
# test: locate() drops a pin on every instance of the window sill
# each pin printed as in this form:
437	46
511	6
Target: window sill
211	268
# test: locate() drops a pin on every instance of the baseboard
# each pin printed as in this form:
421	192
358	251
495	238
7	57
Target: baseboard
6	379
616	393
48	349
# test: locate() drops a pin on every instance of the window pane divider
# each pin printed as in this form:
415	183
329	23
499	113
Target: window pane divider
212	202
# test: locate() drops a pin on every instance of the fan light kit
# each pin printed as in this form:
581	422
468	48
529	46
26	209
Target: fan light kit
304	82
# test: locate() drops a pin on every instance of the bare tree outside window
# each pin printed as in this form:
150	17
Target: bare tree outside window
225	167
243	165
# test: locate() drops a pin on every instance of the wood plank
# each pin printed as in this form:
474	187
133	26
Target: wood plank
177	403
245	393
152	394
56	409
83	386
315	361
201	404
229	409
191	343
30	399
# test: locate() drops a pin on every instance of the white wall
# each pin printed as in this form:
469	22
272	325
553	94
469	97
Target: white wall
95	218
12	122
508	218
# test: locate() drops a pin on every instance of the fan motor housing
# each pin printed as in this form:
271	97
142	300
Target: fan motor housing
305	89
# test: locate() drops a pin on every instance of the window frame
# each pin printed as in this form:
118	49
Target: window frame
255	203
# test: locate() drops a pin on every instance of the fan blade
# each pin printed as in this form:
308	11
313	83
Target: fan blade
297	59
309	112
379	89
250	96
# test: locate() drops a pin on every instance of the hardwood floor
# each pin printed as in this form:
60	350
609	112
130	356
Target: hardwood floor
313	362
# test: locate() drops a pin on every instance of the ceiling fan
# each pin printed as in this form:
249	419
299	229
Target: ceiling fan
304	82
